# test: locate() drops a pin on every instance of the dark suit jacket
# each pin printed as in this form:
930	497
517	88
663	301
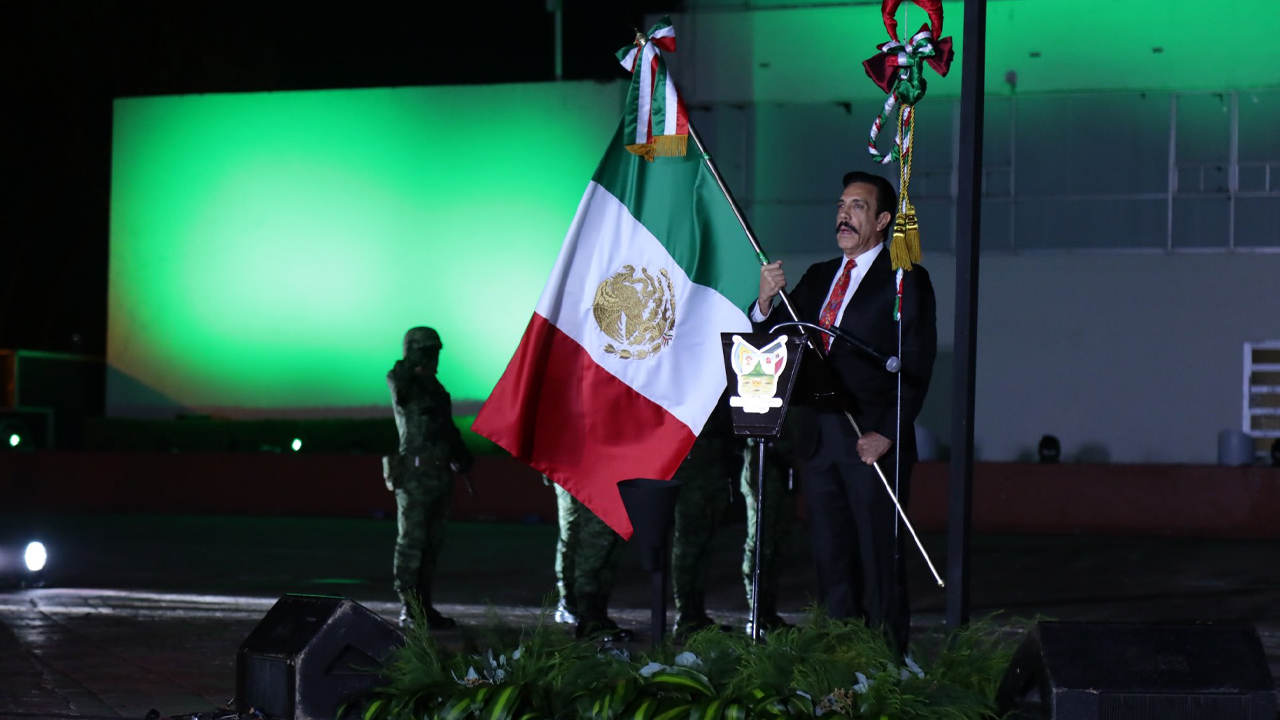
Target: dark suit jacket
868	317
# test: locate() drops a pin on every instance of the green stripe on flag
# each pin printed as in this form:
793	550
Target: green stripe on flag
659	101
677	199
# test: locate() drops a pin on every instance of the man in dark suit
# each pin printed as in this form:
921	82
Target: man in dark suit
857	539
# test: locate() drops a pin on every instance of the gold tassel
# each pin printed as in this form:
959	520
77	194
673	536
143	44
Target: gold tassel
670	145
898	248
644	150
911	236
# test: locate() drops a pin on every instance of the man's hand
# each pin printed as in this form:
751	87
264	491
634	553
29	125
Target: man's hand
873	446
772	280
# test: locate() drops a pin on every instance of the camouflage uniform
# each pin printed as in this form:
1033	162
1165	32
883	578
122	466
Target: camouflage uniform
706	477
567	608
587	555
779	522
421	474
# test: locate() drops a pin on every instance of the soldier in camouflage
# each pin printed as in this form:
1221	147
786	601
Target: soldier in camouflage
587	555
567	604
706	477
776	527
421	474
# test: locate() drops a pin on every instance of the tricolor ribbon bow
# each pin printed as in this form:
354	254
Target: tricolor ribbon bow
896	69
656	122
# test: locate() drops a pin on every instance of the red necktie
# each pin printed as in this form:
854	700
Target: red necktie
832	308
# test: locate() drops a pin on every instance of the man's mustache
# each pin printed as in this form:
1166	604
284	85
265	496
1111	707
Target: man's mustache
844	225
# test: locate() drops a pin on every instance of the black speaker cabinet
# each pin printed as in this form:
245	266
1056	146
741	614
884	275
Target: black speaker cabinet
1113	671
309	655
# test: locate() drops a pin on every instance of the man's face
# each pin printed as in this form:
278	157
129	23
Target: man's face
858	227
425	360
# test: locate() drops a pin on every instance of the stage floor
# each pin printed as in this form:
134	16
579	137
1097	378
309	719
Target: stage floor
144	612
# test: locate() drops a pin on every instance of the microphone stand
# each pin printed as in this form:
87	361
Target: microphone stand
891	364
817	347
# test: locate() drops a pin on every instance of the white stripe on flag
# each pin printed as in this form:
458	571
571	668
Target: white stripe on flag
603	238
645	104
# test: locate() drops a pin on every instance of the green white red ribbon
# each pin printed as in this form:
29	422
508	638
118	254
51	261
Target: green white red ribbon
656	121
901	139
898	68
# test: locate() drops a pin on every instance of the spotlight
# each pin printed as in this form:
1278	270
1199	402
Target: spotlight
23	562
1050	450
35	557
15	440
297	444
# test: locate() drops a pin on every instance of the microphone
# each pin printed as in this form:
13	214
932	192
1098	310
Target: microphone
891	364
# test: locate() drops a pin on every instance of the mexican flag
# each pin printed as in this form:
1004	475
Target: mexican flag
621	363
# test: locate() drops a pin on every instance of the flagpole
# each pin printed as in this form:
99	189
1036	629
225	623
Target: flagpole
817	347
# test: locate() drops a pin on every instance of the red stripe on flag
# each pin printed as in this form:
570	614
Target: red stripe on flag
558	411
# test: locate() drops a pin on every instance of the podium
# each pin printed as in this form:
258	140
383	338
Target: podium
761	369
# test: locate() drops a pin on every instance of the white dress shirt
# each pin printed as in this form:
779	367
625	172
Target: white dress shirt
859	271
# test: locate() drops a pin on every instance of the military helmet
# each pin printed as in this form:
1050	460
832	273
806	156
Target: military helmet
421	339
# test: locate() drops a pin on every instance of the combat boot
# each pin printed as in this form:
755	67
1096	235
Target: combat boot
692	617
435	621
770	620
594	622
566	612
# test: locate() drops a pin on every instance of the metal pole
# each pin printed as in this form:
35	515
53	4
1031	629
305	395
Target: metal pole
968	223
817	347
755	571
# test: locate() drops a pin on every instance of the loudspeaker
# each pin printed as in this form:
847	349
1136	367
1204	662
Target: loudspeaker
309	655
1114	671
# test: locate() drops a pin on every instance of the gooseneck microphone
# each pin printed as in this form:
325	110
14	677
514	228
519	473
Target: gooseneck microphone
891	364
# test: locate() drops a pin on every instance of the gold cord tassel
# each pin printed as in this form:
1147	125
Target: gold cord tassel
898	248
912	236
905	250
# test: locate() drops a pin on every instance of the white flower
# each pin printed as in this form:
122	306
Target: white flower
515	654
689	660
804	695
651	668
472	679
911	665
863	683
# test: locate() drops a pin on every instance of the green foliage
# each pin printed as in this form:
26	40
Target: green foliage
822	668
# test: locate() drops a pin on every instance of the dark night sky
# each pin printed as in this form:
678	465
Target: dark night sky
65	61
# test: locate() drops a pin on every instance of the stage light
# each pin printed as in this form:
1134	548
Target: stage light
35	556
297	444
15	440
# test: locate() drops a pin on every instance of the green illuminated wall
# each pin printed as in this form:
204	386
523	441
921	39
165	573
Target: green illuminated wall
269	250
790	51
